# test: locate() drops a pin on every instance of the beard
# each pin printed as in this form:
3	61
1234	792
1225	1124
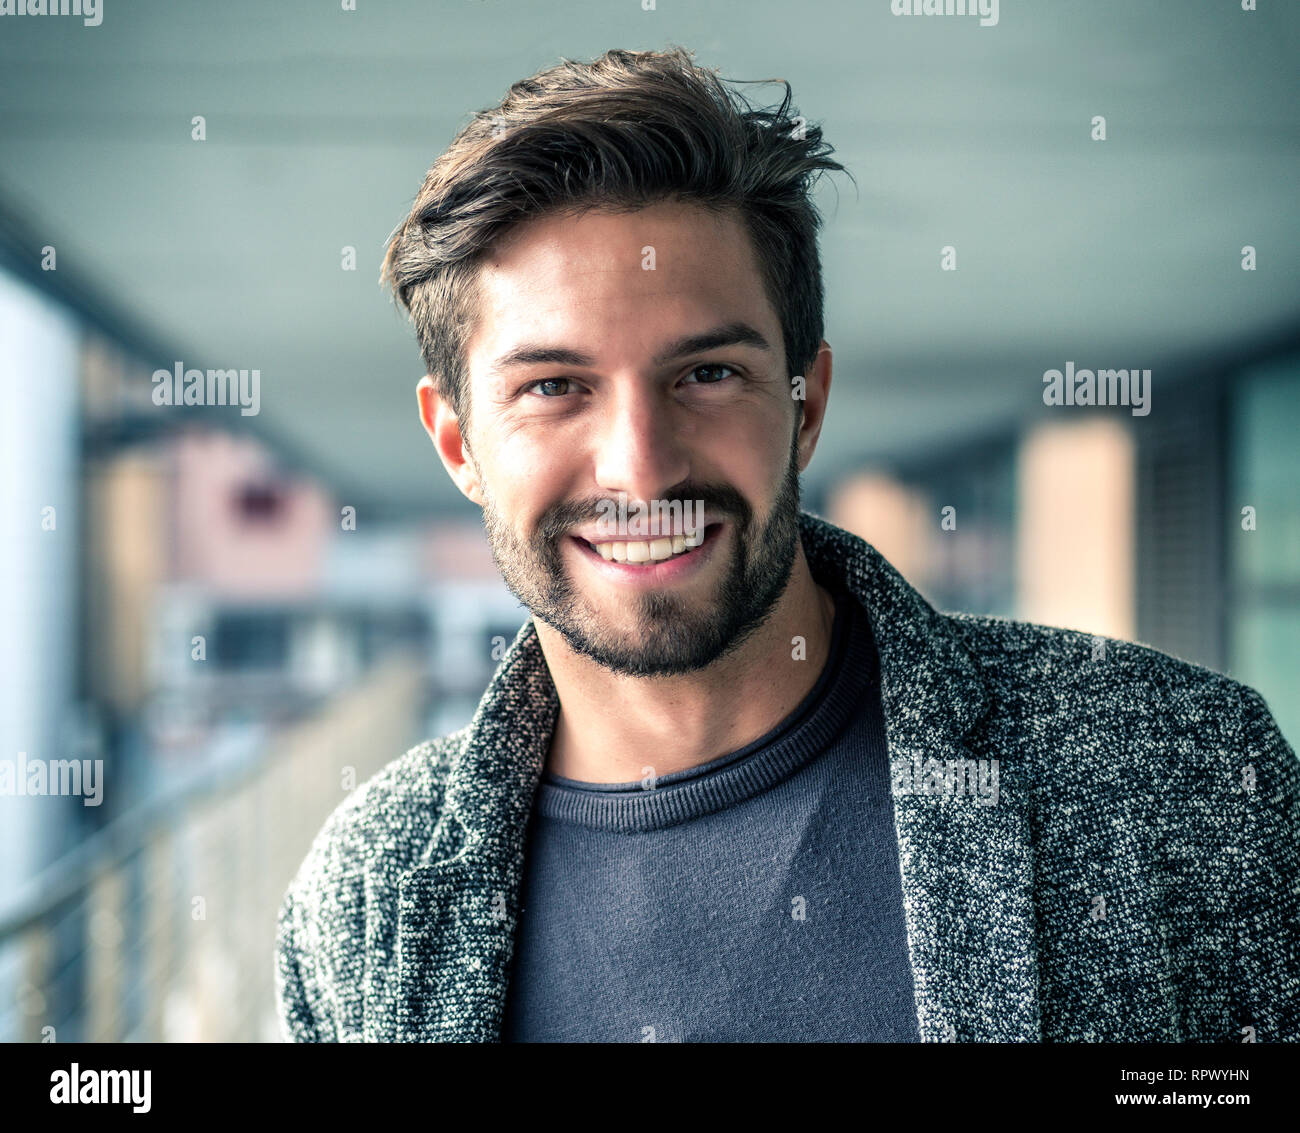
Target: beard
656	633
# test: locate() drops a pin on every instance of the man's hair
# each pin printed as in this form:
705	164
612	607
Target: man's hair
627	130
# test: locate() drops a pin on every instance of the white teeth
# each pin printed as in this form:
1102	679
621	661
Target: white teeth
654	550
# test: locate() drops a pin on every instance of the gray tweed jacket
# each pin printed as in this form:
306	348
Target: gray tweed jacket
1138	878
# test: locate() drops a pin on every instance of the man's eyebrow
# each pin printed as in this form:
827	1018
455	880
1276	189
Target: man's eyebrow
732	334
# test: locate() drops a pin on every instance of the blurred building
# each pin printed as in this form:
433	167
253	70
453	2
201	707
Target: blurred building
1180	530
238	651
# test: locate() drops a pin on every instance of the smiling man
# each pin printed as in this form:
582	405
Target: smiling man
602	379
735	779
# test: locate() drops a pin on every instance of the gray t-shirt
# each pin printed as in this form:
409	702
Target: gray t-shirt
755	898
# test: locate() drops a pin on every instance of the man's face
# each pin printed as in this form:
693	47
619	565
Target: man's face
552	438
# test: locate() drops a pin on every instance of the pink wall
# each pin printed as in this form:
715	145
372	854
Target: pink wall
241	528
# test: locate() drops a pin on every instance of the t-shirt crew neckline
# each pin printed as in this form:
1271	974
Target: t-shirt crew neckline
810	728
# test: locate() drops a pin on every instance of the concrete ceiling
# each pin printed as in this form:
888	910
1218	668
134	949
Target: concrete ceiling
322	122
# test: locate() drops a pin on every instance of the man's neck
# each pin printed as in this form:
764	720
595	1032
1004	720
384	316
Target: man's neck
615	729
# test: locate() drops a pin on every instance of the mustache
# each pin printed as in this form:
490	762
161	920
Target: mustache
719	499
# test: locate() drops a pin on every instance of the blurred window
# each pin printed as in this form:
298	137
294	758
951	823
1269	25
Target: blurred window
1264	564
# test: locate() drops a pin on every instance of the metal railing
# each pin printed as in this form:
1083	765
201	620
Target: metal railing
161	927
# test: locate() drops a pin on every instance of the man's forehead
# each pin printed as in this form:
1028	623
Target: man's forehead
604	254
658	282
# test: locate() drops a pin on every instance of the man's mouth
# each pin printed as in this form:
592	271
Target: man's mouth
649	552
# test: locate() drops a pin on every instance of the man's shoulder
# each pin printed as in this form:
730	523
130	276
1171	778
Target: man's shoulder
362	849
1055	672
1093	722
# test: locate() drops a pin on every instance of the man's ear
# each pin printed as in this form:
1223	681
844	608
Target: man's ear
817	392
443	427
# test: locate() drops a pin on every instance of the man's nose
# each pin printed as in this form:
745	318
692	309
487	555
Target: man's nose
641	445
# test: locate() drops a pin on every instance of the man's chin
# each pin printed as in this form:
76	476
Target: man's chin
666	652
645	664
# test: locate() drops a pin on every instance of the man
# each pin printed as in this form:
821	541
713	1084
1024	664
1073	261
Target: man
735	779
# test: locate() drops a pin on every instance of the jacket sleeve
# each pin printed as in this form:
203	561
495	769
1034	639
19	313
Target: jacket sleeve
298	1023
1268	928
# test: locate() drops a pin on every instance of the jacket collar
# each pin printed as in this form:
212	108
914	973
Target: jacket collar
966	868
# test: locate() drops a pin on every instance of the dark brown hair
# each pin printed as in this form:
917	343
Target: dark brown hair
627	130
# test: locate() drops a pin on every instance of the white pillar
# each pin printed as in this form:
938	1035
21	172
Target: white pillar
39	459
1075	541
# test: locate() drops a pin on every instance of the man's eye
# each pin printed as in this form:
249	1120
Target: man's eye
714	366
548	382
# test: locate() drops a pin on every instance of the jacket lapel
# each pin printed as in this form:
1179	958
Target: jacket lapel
966	868
967	871
458	910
